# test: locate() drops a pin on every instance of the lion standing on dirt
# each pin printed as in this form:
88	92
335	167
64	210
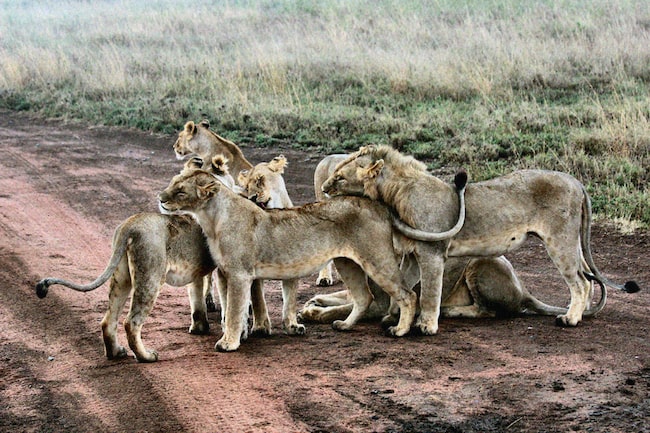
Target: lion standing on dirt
501	213
250	243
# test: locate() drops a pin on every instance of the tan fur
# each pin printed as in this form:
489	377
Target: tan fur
265	185
296	242
323	170
500	215
472	288
201	141
149	249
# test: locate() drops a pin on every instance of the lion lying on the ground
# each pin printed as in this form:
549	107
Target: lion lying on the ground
250	243
471	288
149	249
501	213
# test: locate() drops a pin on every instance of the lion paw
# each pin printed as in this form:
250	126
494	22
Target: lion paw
324	282
119	353
150	356
200	328
565	322
262	331
394	331
224	346
427	328
341	325
297	329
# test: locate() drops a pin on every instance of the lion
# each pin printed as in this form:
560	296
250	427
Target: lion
265	185
148	250
323	170
472	288
200	140
250	243
500	214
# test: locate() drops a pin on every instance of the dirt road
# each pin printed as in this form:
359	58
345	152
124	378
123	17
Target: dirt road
64	188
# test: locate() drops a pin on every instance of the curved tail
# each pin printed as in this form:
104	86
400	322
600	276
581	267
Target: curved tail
460	180
585	241
120	244
536	306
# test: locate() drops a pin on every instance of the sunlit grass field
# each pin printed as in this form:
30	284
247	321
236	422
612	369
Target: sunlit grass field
488	85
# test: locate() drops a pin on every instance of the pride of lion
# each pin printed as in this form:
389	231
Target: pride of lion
408	247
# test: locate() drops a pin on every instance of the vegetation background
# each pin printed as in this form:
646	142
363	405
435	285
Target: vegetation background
488	85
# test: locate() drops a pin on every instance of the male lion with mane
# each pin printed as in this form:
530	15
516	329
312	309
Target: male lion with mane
250	243
500	214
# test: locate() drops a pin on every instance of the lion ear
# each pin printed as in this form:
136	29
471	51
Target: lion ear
194	163
243	177
204	192
365	150
190	128
220	165
372	171
278	163
259	181
205	123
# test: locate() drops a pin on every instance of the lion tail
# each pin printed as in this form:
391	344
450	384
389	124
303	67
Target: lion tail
585	240
120	242
534	305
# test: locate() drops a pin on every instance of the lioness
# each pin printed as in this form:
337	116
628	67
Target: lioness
201	141
471	288
250	243
501	213
149	249
264	185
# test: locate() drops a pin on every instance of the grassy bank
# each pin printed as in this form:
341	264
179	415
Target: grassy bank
489	85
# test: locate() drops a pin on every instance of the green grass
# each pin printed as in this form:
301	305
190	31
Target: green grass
488	85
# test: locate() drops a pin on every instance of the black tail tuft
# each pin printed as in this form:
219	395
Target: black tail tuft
41	289
631	287
460	180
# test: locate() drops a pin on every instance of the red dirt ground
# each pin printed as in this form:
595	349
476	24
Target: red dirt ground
65	187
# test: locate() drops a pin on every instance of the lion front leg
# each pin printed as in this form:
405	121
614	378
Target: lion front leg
289	313
238	296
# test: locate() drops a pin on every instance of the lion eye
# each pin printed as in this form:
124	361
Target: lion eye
181	194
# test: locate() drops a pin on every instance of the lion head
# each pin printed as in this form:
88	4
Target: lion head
359	173
192	139
188	191
264	184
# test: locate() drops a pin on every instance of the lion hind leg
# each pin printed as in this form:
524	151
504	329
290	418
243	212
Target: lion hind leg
568	261
289	312
326	275
393	284
208	288
323	314
261	319
355	280
431	272
141	305
120	287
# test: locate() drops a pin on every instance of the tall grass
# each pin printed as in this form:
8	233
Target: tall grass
490	85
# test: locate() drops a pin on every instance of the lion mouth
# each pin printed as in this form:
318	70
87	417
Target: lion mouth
163	209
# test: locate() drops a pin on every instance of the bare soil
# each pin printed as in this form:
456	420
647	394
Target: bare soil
65	187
